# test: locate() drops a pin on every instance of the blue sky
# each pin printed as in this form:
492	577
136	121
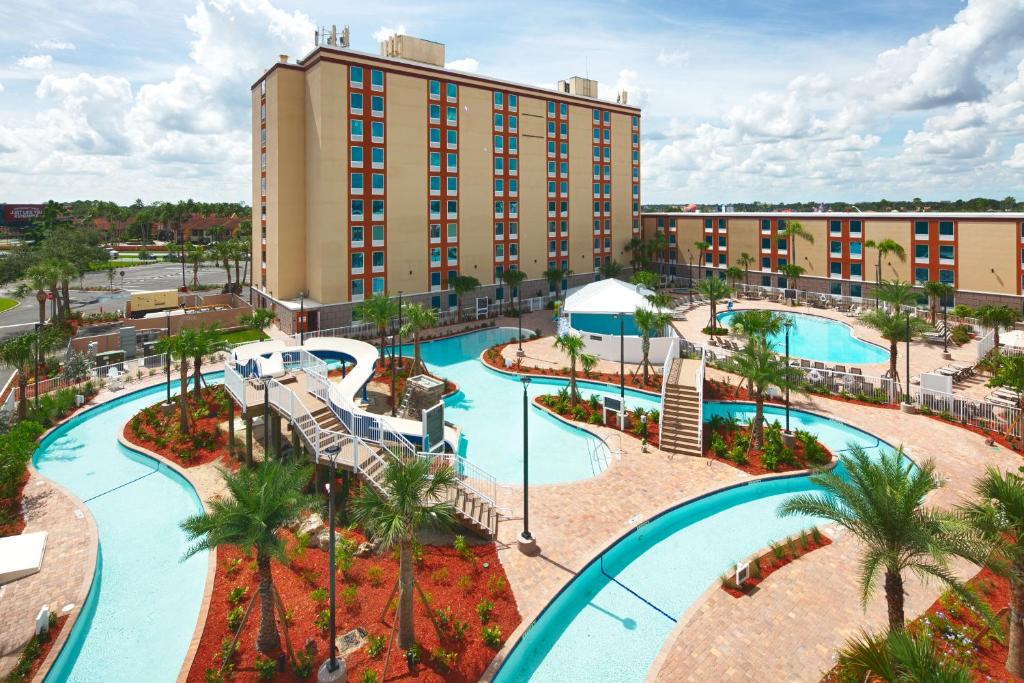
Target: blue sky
742	100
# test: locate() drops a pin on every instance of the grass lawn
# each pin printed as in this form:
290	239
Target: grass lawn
241	336
7	304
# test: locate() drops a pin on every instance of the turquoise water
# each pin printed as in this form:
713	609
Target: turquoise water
603	323
489	409
144	602
817	338
610	622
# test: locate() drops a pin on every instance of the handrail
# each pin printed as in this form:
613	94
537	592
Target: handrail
699	385
670	357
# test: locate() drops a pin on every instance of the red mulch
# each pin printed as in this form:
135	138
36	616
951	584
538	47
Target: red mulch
205	443
382	374
12	507
547	401
493	358
770	564
46	646
754	464
309	571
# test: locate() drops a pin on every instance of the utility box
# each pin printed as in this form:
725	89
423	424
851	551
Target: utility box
145	302
126	336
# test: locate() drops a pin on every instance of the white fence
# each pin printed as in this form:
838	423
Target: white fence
666	369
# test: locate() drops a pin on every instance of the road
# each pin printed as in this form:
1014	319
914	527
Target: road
150	277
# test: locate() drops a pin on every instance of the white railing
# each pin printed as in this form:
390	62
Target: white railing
698	383
666	370
986	344
971	411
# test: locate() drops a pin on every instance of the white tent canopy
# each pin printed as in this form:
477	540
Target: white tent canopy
608	296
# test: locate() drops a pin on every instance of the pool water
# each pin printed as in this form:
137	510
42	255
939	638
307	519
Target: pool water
141	611
610	622
489	409
817	338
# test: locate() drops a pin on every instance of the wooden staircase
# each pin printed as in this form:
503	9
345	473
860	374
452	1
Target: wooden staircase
681	425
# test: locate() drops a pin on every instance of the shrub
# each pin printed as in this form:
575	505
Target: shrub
318	595
778	551
738	455
579	414
444	658
595	418
816	535
755	568
349	596
791	547
496	585
303	665
414	654
443	617
234	618
459	629
595	402
718	445
237	594
461	547
322	620
375	575
484	609
492	636
265	668
368	676
729	583
375	645
959	335
653	415
440	576
466	583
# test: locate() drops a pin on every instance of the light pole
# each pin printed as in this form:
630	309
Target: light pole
622	366
908	357
302	317
945	330
526	542
329	670
266	414
787	325
181	252
689	272
519	309
167	360
39	344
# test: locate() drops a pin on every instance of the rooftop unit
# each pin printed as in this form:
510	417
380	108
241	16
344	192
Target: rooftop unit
413	49
577	85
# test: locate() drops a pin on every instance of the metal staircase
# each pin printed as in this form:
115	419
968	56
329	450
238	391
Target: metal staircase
682	415
367	442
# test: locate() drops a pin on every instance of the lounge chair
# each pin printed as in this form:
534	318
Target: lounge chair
840	368
804	363
818	365
115	378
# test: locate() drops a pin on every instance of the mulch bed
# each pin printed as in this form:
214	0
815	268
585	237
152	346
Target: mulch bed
448	580
770	562
10	508
150	428
596	417
382	374
493	357
44	649
754	464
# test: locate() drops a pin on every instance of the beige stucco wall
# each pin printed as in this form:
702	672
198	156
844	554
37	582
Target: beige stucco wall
987	256
407	209
688	231
255	244
813	257
533	221
622	201
286	183
745	236
892	267
476	184
581	190
327	183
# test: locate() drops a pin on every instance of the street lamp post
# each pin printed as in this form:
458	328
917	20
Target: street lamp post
788	324
302	317
39	344
519	309
908	357
167	361
526	542
945	331
266	414
329	670
622	367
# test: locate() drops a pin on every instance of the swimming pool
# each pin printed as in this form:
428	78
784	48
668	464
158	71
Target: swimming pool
141	611
818	338
611	620
488	408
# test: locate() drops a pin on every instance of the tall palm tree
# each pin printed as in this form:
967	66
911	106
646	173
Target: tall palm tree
260	319
936	291
792	272
733	274
762	369
222	252
996	317
880	500
896	293
463	285
997	516
182	347
514	280
884	248
701	246
417	319
656	246
196	256
745	261
898	657
758	323
893	327
649	322
263	501
635	247
46	275
415	495
554	276
573	346
715	290
610	270
207	341
378	310
19	354
793	230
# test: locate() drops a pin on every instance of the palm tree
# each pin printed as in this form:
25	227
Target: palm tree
880	500
935	291
463	285
885	247
656	246
701	246
793	230
207	341
263	501
1009	372
893	326
646	279
792	272
758	323
222	252
39	279
762	369
46	275
733	274
745	261
19	354
418	318
898	657
260	319
378	310
996	317
610	270
572	345
196	256
649	323
415	495
715	290
635	247
554	276
181	346
997	516
514	279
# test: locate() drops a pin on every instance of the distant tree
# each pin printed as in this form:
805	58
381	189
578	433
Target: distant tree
462	285
646	279
884	248
714	290
648	323
418	318
610	270
996	318
791	232
378	310
573	346
745	261
259	320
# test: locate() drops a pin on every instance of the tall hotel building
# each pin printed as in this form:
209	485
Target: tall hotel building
386	174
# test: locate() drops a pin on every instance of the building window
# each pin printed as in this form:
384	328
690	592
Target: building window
452	137
499	230
357	209
355	129
435	161
453	232
377	235
377	284
356	156
357	289
946	276
377	131
946	230
377	105
453	256
356	183
452	162
357	236
499	251
452	116
435	89
377	208
377	183
435	233
357	261
513	230
453	208
498	100
435	261
835	227
435	208
835	248
355	102
835	268
377	157
499	121
921	228
855	228
376	79
856	249
855	270
920	275
451	91
946	253
921	252
435	113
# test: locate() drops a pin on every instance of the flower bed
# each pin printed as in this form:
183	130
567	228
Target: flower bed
382	374
493	357
777	557
16	448
591	411
461	583
150	428
35	652
726	440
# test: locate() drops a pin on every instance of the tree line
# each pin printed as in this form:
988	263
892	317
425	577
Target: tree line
976	204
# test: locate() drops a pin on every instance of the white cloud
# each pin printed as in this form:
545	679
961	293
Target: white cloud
385	32
1016	159
56	45
36	62
674	58
1	87
467	64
